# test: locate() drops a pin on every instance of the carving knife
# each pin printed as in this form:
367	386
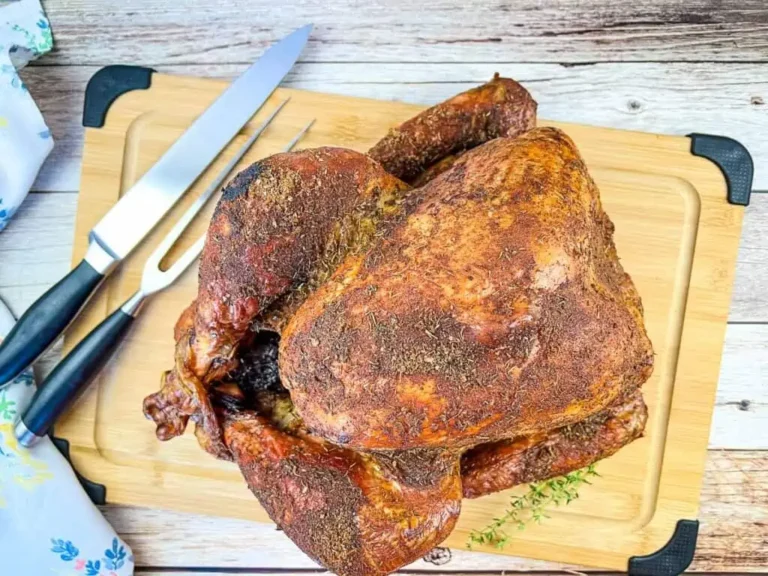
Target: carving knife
145	204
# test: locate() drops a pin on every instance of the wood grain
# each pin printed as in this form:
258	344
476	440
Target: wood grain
749	302
204	31
670	99
733	536
741	417
36	248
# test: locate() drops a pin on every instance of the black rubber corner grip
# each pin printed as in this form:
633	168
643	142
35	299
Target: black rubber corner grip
96	492
106	85
673	558
734	162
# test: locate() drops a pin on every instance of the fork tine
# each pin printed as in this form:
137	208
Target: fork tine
298	136
240	153
191	254
153	262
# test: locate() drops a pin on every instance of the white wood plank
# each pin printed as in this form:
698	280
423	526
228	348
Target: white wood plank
749	302
733	518
741	415
35	252
36	248
208	541
204	31
672	99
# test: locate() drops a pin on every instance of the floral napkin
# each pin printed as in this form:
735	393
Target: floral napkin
25	140
47	523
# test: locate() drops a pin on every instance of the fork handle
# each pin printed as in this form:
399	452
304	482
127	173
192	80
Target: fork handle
71	376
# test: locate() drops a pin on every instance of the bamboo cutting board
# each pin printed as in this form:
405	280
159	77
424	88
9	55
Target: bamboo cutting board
675	232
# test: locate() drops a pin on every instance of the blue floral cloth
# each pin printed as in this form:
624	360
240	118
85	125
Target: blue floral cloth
47	523
25	140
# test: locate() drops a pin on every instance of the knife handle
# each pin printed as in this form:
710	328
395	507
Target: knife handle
45	320
71	376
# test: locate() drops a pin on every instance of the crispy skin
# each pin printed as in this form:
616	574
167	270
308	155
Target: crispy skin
344	509
273	230
500	465
280	224
499	108
498	308
436	169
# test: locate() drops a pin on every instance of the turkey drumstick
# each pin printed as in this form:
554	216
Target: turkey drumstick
501	108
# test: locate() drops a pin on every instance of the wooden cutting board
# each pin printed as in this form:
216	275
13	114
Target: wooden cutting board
676	235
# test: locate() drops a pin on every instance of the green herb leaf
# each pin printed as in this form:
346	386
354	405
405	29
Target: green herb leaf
530	506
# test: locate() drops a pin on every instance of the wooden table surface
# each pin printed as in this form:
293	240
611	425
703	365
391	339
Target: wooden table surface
669	67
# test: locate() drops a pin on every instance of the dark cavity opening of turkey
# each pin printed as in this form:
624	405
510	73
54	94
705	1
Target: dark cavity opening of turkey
257	369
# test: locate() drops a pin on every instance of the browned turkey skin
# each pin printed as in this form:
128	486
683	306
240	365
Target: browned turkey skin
500	465
311	208
368	352
348	510
471	320
500	108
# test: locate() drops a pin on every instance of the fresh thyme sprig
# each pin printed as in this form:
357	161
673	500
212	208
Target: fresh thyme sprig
530	507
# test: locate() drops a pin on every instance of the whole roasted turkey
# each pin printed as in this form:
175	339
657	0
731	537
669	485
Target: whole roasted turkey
378	335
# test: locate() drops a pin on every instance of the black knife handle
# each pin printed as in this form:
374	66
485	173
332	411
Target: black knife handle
73	374
45	320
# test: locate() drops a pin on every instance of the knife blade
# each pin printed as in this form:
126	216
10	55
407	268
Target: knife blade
146	202
153	195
